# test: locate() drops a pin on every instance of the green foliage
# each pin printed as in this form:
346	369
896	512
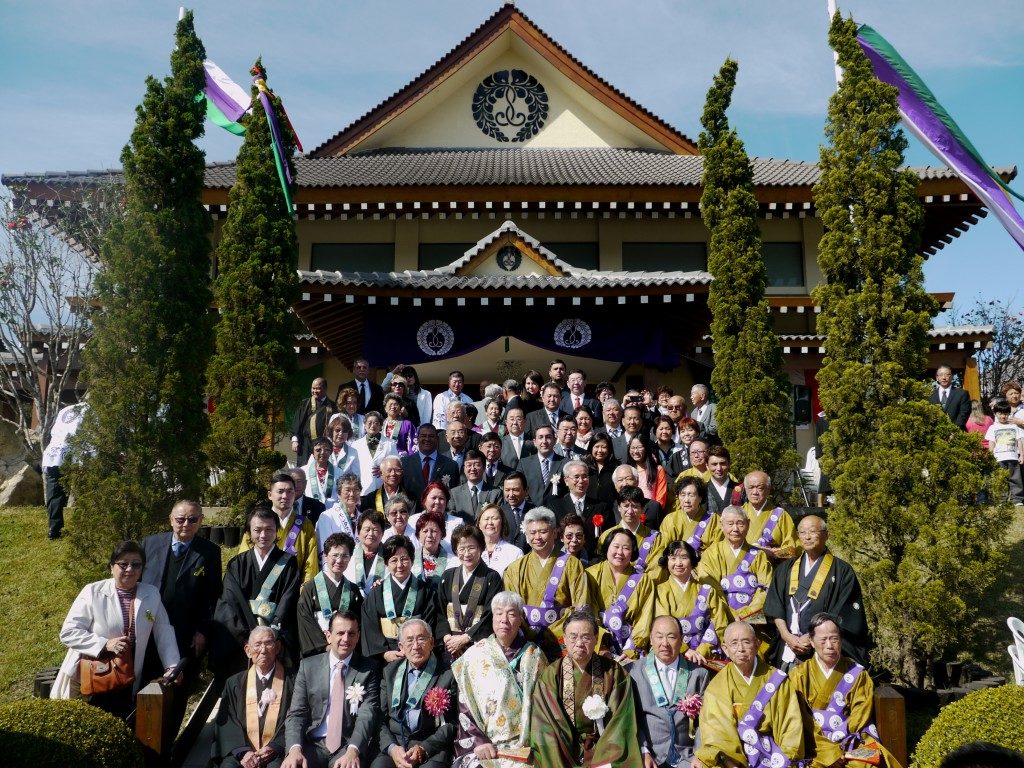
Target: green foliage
255	287
139	445
53	733
748	378
995	715
905	477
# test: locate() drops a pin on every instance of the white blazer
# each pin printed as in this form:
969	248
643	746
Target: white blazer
95	617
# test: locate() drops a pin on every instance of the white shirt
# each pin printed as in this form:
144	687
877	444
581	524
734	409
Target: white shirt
667	673
502	557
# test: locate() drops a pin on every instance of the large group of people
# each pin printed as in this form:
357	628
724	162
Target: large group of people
558	578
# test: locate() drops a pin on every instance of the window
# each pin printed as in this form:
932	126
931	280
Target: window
785	264
665	257
353	257
434	255
582	255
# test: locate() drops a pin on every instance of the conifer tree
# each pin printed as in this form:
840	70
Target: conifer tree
748	379
256	285
138	448
905	477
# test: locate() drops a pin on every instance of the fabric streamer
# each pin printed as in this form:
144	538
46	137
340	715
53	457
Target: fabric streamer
933	126
226	100
276	143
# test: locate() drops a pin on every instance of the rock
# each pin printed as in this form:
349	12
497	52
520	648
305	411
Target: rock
24	488
13	451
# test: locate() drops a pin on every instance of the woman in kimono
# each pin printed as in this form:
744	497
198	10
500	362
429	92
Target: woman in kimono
623	597
702	612
325	594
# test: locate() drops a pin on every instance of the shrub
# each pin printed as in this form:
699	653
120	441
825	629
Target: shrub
48	732
992	714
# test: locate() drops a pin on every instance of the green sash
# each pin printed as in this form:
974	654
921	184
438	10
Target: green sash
658	687
416	694
326	611
262	608
410	599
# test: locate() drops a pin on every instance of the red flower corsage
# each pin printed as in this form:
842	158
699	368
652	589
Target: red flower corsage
436	701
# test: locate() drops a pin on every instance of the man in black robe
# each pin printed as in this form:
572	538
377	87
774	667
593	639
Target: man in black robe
823	584
311	419
251	717
261	587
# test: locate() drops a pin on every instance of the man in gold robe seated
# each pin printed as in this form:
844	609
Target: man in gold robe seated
583	710
251	717
496	677
839	694
750	714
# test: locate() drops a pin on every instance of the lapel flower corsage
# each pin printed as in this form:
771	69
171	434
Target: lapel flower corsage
436	701
150	617
354	694
266	699
690	706
447	480
555	480
595	708
200	572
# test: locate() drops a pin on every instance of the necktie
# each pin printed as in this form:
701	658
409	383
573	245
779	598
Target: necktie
426	469
579	507
177	548
490	472
337	713
413	716
545	470
576	401
553	418
476	498
362	394
942	397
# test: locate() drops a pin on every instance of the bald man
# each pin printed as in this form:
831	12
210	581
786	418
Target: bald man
311	419
771	527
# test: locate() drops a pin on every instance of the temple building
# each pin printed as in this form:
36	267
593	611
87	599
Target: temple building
508	206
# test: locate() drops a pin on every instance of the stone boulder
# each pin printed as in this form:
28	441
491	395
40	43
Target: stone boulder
24	488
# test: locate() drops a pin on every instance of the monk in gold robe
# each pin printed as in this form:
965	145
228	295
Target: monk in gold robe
691	522
698	605
771	528
583	712
743	572
623	597
547	604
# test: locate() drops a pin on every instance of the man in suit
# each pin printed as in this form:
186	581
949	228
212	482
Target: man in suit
454	394
515	505
955	402
577	480
542	467
370	394
576	395
495	469
565	439
468	497
551	396
515	445
660	681
332	720
612	414
704	412
186	568
624	476
456	442
311	419
457	413
235	745
721	485
427	465
409	734
305	505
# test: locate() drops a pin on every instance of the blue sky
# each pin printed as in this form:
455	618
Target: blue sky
72	74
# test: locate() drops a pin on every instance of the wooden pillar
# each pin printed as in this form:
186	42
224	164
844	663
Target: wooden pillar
972	384
891	721
153	707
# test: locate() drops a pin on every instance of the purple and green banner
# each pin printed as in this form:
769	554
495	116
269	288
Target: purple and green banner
933	126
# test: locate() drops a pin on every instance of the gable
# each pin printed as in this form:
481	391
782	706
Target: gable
464	101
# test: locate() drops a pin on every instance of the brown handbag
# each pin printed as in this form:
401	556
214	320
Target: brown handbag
109	674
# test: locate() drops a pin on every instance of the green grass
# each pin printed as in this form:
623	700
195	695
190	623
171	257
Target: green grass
35	595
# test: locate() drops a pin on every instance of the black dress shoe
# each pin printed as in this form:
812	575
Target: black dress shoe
53	535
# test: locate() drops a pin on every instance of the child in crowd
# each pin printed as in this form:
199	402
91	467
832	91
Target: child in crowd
1006	441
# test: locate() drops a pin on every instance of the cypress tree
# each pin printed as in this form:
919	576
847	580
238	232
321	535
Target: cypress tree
905	477
256	285
139	444
748	379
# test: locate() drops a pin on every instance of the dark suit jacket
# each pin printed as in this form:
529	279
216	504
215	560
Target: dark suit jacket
412	477
231	728
540	419
591	506
312	508
437	741
957	407
516	535
592	403
717	503
461	503
500	472
536	488
376	395
508	451
190	602
300	426
312	694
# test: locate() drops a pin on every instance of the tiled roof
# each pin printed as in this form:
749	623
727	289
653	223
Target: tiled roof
938	332
501	167
495	22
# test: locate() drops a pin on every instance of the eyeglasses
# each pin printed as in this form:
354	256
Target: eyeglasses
573	639
398	513
414	641
133	565
263	644
467	550
186	520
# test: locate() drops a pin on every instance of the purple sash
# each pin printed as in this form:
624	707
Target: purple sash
761	750
697	628
740	585
834	719
546	614
645	552
769	527
614	618
698	533
293	534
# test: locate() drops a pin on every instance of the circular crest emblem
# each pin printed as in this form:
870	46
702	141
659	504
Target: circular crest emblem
509	258
778	760
749	735
435	338
535	615
684	625
615	623
550	616
510	105
572	333
770	687
835	721
739	581
742	599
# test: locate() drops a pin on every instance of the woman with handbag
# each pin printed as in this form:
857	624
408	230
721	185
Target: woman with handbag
107	631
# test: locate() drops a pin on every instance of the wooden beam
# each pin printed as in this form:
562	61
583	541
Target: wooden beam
891	720
153	708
